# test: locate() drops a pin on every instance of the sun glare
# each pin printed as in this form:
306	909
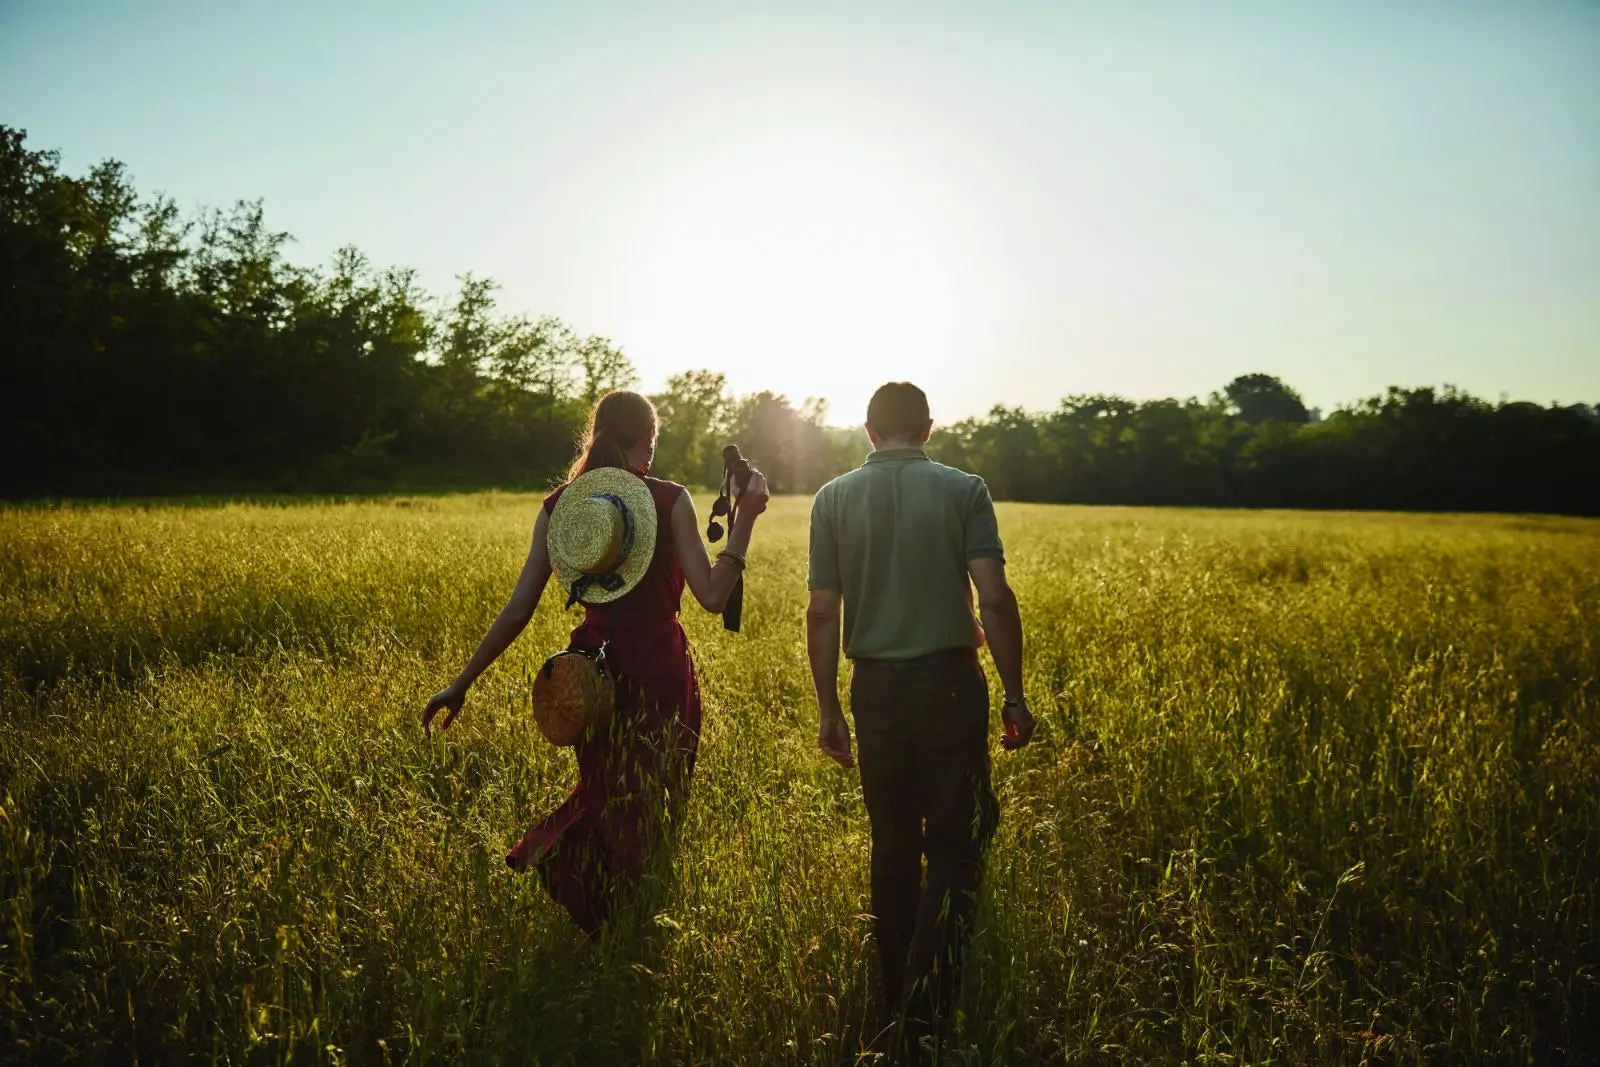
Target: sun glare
809	265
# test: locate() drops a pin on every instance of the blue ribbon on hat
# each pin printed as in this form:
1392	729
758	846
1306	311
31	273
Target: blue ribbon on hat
610	581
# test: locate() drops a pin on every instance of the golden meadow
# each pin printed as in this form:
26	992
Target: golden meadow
1307	788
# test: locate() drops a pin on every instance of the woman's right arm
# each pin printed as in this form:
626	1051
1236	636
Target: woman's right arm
712	584
511	621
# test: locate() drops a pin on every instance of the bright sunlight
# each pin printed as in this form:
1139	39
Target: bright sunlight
810	264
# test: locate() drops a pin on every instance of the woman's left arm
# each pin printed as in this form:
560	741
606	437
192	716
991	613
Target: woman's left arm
712	584
511	621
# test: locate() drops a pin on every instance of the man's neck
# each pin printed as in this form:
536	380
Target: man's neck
890	444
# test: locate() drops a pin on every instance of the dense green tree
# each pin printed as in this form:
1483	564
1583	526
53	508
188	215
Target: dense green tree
1263	398
778	438
603	368
694	410
148	352
154	353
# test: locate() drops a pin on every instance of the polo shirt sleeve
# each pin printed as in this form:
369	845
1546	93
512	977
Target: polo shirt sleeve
983	531
823	572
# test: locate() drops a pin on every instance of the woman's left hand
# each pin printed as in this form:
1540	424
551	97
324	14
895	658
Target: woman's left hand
752	499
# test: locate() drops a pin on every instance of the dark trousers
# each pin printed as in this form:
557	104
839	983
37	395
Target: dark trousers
922	743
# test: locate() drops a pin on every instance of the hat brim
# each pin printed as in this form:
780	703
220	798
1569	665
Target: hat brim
635	496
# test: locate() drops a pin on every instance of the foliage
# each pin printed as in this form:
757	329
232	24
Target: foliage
150	353
1257	446
1308	789
1258	398
793	447
155	352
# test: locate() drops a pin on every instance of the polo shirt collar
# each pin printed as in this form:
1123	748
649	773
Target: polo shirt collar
889	455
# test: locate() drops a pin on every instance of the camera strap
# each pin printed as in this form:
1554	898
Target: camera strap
727	506
733	610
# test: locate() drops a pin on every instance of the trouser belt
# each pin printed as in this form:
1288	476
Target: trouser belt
943	657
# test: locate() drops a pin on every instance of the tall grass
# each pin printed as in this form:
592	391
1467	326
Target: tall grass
1308	788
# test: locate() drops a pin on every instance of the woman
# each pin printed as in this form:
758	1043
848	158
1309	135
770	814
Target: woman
633	775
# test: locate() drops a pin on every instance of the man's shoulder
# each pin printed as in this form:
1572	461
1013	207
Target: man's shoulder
838	484
956	478
954	473
951	479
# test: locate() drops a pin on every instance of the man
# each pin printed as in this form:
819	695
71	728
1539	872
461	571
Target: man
896	541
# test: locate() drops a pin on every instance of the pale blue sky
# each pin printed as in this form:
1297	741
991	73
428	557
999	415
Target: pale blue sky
1005	202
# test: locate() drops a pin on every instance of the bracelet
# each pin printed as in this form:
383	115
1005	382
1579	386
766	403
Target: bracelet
736	558
1009	703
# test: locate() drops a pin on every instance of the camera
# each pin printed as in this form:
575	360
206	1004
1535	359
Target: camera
736	471
735	466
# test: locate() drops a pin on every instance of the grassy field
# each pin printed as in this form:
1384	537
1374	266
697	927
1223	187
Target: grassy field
1308	788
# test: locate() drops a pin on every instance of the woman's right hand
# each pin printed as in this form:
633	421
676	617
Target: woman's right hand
451	696
752	499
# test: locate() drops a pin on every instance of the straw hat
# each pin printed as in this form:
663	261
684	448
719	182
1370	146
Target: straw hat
572	693
602	535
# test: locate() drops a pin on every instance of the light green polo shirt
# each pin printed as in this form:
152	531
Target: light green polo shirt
894	537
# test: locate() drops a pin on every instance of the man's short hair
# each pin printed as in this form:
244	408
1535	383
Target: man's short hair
898	409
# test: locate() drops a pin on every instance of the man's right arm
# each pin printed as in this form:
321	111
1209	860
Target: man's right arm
1002	623
822	633
822	649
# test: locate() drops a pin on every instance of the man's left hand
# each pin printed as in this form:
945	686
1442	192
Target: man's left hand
1019	724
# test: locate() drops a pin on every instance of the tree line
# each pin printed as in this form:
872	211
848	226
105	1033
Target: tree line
1255	444
150	352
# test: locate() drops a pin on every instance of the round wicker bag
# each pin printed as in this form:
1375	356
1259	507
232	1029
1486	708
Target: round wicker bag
572	693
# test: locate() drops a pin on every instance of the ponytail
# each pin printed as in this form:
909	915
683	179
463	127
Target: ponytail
604	450
620	420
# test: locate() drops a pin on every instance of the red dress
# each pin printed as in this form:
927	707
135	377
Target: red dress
632	777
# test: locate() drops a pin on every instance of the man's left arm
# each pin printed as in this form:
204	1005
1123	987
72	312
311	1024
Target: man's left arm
997	607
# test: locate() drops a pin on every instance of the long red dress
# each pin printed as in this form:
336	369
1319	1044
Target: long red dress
632	777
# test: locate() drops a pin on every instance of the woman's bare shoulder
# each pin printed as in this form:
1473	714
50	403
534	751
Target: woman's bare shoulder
549	502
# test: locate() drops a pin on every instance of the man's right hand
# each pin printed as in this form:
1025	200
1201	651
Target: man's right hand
1019	724
833	737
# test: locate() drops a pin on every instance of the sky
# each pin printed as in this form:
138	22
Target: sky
1006	203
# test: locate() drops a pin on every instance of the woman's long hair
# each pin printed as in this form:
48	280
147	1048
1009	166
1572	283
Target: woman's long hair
620	420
